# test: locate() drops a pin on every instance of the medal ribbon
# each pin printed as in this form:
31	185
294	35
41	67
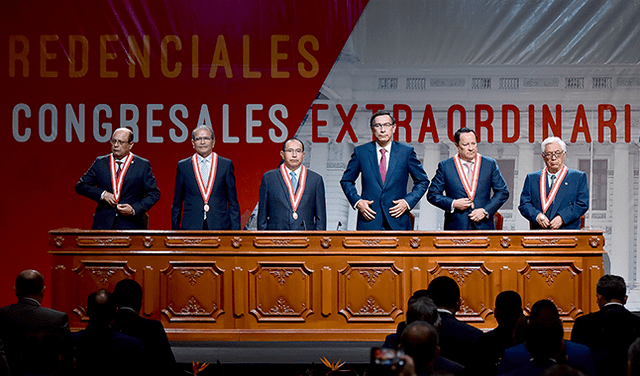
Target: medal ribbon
295	199
547	200
205	191
116	184
469	186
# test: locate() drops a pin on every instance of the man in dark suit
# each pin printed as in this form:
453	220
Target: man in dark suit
458	340
122	184
292	196
205	195
127	296
463	186
574	354
555	197
385	166
610	331
36	339
100	350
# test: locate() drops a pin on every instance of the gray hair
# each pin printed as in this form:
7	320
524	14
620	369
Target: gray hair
199	127
550	140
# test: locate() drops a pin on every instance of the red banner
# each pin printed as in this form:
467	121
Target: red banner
75	70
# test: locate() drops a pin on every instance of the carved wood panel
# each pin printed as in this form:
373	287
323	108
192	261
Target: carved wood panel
280	291
192	291
558	281
476	285
370	291
93	275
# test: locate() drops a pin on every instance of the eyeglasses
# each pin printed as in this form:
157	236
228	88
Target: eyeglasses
118	142
385	125
202	139
290	151
557	154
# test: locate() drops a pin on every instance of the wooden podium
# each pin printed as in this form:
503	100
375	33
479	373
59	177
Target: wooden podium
319	286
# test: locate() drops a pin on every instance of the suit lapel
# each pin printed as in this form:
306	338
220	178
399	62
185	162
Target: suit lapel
373	160
283	187
393	159
562	191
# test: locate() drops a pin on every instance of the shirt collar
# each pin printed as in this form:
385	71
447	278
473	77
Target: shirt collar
296	172
387	148
208	158
32	299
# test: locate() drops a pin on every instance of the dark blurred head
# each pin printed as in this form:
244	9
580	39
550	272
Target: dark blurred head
508	307
30	284
423	309
633	358
128	293
544	307
544	337
444	292
420	341
100	307
562	370
612	287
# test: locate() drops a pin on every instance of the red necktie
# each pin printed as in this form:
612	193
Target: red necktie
383	164
119	169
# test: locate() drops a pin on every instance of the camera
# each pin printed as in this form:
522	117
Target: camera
383	358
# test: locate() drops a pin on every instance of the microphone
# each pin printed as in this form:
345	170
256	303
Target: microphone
303	224
339	225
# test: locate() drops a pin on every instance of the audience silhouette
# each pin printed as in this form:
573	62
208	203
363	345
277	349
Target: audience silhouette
102	351
35	338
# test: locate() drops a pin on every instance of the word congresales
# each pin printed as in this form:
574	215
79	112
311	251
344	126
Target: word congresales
611	123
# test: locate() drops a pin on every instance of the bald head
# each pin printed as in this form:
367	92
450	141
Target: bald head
30	284
420	341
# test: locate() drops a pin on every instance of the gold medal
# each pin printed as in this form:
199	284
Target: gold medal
206	208
295	215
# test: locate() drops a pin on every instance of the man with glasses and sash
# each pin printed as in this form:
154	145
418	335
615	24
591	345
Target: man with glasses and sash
292	196
385	166
555	197
205	195
468	187
122	184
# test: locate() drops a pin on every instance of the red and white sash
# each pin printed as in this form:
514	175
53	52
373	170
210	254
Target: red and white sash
547	200
295	199
116	183
205	191
469	186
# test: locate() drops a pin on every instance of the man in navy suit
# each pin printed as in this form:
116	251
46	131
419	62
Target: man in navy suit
555	197
463	186
35	338
205	195
610	331
122	184
292	196
385	166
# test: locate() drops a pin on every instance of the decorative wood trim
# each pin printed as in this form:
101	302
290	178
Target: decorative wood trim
192	241
370	242
149	298
594	241
281	242
461	242
327	291
325	242
414	242
103	241
239	288
549	241
505	241
235	242
147	241
58	241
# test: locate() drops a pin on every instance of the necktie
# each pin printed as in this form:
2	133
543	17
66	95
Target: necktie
118	169
204	171
383	164
294	182
469	171
552	180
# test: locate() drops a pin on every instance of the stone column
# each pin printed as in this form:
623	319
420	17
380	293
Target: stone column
619	249
431	217
526	157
